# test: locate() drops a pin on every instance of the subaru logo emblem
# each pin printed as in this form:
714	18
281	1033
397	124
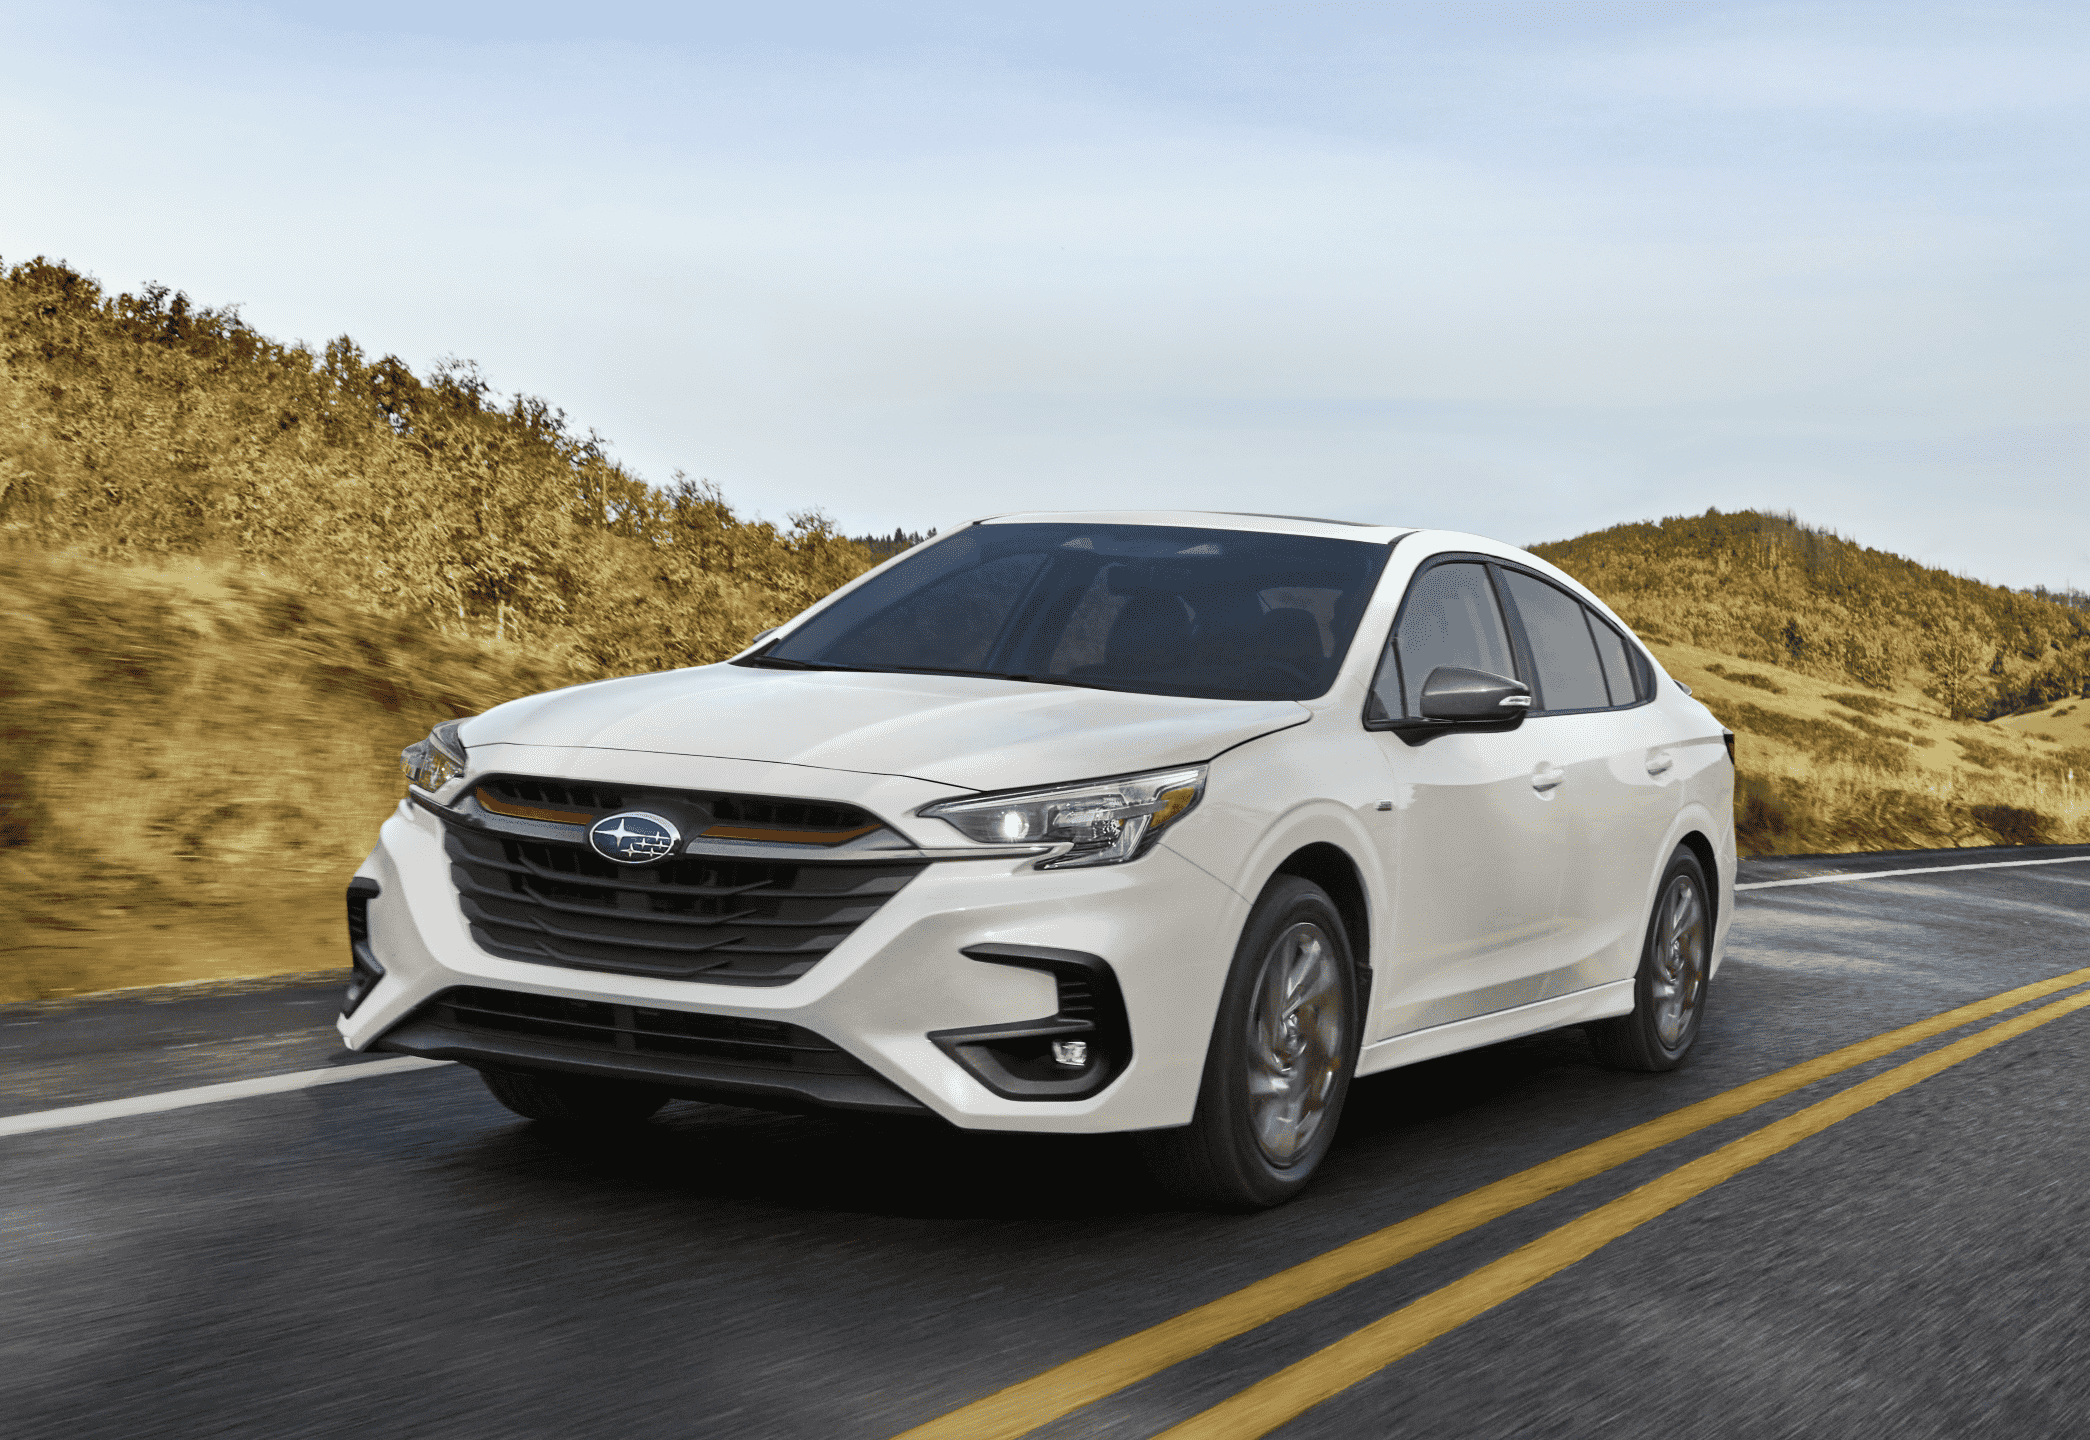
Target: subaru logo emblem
633	838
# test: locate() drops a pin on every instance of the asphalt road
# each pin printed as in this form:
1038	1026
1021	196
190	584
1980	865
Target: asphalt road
399	1256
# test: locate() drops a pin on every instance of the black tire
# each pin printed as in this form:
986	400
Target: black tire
1669	989
572	1099
1236	1153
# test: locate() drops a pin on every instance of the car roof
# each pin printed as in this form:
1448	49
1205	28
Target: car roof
1210	520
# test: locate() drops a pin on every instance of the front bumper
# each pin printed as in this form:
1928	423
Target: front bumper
1166	928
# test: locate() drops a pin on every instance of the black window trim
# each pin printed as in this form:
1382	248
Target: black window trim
1414	725
1521	641
1520	651
1593	620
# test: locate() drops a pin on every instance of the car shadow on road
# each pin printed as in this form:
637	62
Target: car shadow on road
925	1169
830	1163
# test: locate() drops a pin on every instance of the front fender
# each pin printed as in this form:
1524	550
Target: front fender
1251	820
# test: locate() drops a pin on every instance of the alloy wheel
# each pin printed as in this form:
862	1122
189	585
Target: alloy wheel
1295	1041
1679	961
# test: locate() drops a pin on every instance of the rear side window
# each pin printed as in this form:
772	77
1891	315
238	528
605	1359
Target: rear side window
1570	676
1449	618
1618	664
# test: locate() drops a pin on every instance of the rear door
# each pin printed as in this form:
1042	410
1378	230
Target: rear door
1616	794
1474	858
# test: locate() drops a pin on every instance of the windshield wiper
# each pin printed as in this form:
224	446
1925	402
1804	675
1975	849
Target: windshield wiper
779	662
1007	675
1070	680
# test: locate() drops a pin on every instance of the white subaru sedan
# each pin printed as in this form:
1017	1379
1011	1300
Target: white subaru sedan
1171	823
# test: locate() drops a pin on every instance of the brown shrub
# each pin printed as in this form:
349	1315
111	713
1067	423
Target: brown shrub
1873	705
1746	677
1980	752
1746	719
1869	751
20	815
1873	728
1763	816
2013	825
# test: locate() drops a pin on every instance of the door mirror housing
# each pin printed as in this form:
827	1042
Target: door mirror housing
1453	693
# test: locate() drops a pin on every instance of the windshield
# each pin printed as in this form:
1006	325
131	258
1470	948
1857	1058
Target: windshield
1222	614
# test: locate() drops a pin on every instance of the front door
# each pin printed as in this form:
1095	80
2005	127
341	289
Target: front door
1476	847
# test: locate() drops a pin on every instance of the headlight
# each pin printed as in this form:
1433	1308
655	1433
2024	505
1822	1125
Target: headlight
435	762
1106	821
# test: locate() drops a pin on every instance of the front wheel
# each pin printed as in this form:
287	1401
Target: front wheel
1279	1063
1669	988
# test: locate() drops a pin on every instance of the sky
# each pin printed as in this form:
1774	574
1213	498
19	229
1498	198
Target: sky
1525	268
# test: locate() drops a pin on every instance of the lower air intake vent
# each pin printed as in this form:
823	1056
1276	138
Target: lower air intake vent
706	1057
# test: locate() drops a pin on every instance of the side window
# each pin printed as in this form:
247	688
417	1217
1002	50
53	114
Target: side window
1618	664
1570	677
1449	618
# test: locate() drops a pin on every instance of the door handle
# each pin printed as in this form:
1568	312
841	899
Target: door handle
1659	762
1547	776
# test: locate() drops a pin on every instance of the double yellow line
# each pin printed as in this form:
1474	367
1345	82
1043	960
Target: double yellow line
1281	1397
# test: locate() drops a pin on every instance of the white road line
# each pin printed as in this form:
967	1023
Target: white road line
335	1074
1919	870
209	1094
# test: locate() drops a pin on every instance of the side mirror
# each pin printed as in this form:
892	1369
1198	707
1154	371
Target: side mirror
1455	693
760	635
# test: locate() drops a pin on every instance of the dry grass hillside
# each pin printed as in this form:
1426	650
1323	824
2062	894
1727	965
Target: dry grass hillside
239	575
2065	723
1828	767
193	756
140	425
193	760
1881	704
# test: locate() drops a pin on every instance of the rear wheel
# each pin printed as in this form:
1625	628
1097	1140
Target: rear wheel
1669	989
1279	1063
572	1099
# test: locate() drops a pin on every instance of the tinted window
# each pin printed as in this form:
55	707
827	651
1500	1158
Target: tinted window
1225	614
1618	665
1565	657
1449	618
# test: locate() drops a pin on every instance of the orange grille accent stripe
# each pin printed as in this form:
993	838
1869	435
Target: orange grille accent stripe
791	837
531	812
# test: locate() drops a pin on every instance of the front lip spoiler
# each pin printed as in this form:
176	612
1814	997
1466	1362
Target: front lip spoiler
689	1079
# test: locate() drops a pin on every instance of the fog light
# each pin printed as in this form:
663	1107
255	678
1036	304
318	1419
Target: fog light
1072	1053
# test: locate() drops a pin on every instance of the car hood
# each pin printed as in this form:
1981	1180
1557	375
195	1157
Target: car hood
976	734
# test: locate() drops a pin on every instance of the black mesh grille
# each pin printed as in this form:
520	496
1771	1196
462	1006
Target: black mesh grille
806	814
567	794
730	809
743	922
757	1045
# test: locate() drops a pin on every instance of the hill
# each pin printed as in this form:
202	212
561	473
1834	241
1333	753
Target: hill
241	574
141	425
1859	682
195	759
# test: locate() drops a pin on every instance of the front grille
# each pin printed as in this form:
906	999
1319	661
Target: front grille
723	921
756	1045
